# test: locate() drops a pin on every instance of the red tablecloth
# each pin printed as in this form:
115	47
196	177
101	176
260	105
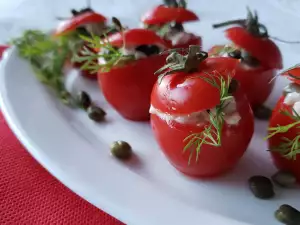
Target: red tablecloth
29	195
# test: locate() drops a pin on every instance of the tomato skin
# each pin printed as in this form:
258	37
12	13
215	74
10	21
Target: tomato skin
212	161
264	49
180	93
128	89
135	37
76	21
256	83
163	14
296	75
2	49
281	162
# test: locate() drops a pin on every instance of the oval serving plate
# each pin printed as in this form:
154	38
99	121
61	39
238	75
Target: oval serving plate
146	190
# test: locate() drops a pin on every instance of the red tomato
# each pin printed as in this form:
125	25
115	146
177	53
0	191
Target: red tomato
128	88
282	162
164	14
183	94
295	72
79	20
2	49
264	49
255	81
135	37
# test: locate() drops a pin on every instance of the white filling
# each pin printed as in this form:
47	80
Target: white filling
127	51
179	37
231	116
293	99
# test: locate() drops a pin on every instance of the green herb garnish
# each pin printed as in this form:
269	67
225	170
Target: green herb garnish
289	147
47	56
212	133
111	56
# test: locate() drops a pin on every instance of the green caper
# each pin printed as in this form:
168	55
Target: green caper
261	187
84	99
284	179
292	87
262	112
96	113
234	84
121	149
288	215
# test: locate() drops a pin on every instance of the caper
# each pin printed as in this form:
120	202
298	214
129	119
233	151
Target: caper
261	187
249	59
171	3
234	84
177	26
288	215
262	112
96	113
121	149
284	179
235	54
84	99
292	87
117	23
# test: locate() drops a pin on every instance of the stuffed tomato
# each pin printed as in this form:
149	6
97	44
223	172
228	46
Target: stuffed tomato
167	20
127	61
200	117
284	127
259	57
83	22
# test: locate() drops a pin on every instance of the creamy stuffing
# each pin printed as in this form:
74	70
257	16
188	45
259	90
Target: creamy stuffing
180	37
128	51
293	99
231	116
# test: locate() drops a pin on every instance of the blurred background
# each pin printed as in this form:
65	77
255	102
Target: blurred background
280	16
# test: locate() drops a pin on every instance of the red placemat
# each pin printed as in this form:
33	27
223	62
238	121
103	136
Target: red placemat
29	195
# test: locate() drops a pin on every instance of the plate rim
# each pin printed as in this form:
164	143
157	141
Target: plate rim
190	215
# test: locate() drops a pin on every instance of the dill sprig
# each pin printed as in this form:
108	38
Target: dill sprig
47	56
111	57
289	147
212	133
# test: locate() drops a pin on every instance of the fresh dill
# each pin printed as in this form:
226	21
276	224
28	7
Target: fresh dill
47	55
288	147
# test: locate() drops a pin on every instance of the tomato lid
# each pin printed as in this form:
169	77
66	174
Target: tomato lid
76	21
293	74
264	49
163	14
138	36
182	93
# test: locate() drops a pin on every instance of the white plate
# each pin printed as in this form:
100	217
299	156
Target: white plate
147	190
